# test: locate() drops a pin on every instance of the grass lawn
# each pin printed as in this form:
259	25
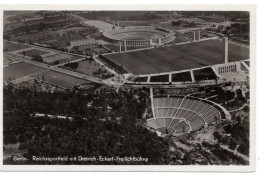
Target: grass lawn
62	58
7	61
60	79
87	67
248	63
179	57
34	36
168	25
33	52
180	38
8	46
21	69
113	47
63	42
183	76
116	47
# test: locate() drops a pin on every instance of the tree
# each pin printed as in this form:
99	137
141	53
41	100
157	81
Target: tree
162	91
43	78
37	58
232	144
246	109
56	62
243	148
176	23
228	128
216	135
166	131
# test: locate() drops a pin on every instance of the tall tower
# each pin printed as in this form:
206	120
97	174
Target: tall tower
160	40
125	45
194	36
198	36
151	42
225	45
120	47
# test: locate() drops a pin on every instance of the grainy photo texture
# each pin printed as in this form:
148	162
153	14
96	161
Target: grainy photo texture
126	87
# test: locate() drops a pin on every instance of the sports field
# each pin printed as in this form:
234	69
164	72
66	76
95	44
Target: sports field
60	79
179	57
180	38
9	46
99	24
88	67
7	61
18	70
62	58
33	52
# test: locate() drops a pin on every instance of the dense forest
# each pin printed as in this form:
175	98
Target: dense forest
93	131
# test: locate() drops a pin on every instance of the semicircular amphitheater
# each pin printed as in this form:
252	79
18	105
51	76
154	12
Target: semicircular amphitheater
177	115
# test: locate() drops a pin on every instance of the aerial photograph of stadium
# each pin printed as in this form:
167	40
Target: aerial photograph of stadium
126	87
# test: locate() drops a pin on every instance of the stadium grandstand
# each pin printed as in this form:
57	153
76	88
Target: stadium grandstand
139	36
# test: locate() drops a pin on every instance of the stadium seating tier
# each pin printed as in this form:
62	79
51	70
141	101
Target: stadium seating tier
182	114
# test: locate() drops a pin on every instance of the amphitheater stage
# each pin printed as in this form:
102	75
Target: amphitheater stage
178	57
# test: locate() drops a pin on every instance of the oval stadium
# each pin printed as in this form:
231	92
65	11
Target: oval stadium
139	36
177	115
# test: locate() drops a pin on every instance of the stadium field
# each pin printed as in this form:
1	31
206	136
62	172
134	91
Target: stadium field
99	24
7	61
9	46
88	67
33	52
60	79
179	57
180	38
18	70
62	58
116	47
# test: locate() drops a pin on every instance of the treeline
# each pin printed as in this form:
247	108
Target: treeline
230	15
240	28
125	15
73	65
176	23
38	26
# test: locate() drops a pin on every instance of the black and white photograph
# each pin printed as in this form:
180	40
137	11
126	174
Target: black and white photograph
127	87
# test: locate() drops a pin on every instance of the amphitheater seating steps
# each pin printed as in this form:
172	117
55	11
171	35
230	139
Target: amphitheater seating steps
182	113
